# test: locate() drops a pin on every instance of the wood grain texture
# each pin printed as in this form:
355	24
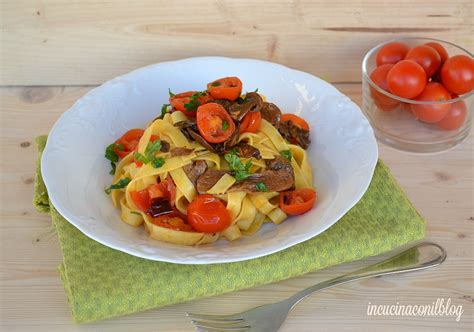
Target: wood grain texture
32	297
77	42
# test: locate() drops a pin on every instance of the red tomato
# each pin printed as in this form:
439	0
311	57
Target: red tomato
298	121
443	54
432	113
141	198
455	117
179	101
128	141
427	57
169	189
208	214
155	191
457	74
406	79
172	222
214	123
297	201
391	53
251	122
225	88
379	77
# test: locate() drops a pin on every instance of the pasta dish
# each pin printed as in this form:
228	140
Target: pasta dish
214	164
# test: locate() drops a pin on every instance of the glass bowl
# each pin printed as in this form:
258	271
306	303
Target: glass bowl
392	119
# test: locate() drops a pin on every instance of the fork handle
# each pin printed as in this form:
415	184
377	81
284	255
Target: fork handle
419	257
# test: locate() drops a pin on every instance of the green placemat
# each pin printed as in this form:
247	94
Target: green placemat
101	282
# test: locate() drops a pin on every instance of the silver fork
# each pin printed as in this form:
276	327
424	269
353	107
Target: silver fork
270	317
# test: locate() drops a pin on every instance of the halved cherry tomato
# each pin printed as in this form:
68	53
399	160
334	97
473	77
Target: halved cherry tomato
208	214
138	162
297	201
128	141
214	123
427	57
251	122
406	79
141	198
391	53
172	222
432	113
298	121
455	117
379	77
440	49
228	88
179	101
457	74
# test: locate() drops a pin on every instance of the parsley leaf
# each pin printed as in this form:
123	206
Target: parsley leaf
194	102
287	154
122	183
112	156
216	83
256	90
157	162
236	165
225	125
150	151
261	186
170	93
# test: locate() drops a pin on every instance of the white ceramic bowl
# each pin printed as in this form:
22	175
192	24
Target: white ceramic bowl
343	153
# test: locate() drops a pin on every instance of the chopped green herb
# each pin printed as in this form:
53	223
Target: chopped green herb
287	154
135	212
194	102
112	156
164	110
171	93
138	156
216	83
150	151
157	162
225	125
256	90
261	187
236	165
152	148
122	183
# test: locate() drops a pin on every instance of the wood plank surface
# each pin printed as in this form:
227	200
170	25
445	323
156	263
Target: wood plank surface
31	294
78	42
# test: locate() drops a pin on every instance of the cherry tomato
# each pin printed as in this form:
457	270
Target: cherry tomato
443	54
128	141
297	201
406	79
432	113
457	74
155	191
172	222
180	100
168	188
379	77
208	214
141	198
298	121
427	57
228	88
455	117
251	122
391	53
214	123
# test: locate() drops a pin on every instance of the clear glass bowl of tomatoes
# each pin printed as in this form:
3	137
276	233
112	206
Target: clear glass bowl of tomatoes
418	93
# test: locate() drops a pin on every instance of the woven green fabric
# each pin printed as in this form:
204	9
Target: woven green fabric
101	282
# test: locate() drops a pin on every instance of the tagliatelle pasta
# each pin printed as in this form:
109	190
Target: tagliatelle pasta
166	166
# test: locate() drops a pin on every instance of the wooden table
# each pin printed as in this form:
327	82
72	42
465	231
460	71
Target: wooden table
53	52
